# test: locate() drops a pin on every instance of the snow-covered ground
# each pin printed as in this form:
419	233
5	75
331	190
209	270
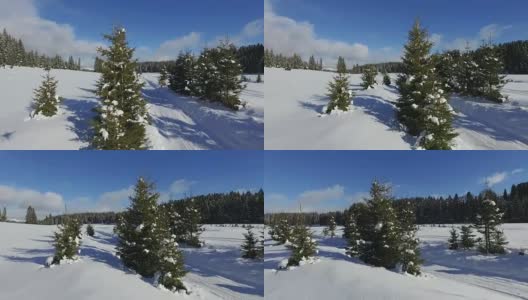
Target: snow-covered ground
446	274
215	271
295	100
178	123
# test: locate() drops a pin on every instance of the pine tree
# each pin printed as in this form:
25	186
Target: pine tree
137	231
182	75
489	217
467	238
409	244
312	64
341	65
379	230
67	241
229	73
422	107
491	67
250	247
498	242
31	216
386	79
332	225
4	215
352	235
193	228
281	232
369	77
122	113
303	244
164	77
46	100
339	93
90	230
453	239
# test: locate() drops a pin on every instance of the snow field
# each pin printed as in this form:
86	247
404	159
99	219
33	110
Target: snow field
215	271
296	99
446	274
178	123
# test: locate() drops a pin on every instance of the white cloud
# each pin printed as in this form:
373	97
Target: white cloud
492	31
17	201
321	200
21	19
288	36
181	186
499	177
170	49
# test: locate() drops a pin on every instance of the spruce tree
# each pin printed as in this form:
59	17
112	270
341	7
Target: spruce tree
453	239
282	232
4	215
489	217
491	66
164	77
191	222
369	77
498	242
311	63
380	230
90	230
67	241
467	238
339	94
386	79
31	216
341	65
250	247
352	235
46	100
303	244
182	75
229	72
409	244
332	225
122	113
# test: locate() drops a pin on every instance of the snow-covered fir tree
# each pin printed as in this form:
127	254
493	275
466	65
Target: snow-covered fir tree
191	220
422	106
146	243
341	65
499	241
164	77
379	231
409	244
229	76
447	66
90	230
122	113
31	216
182	75
303	245
281	232
490	77
351	234
386	79
332	225
339	93
467	238
3	217
369	78
46	101
488	219
250	248
453	239
67	241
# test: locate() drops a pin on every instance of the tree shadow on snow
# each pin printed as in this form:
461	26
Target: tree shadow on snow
6	136
316	104
36	256
81	117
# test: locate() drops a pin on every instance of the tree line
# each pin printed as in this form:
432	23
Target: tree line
451	209
273	60
14	53
216	208
250	57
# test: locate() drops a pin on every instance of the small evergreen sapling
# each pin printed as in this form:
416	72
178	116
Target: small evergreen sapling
339	93
282	232
369	77
67	241
467	238
453	239
331	227
303	245
250	247
46	100
341	65
488	219
90	230
410	259
164	77
352	236
386	79
193	228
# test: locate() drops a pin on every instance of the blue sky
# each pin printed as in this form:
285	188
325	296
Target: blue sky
158	29
102	181
330	180
365	31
